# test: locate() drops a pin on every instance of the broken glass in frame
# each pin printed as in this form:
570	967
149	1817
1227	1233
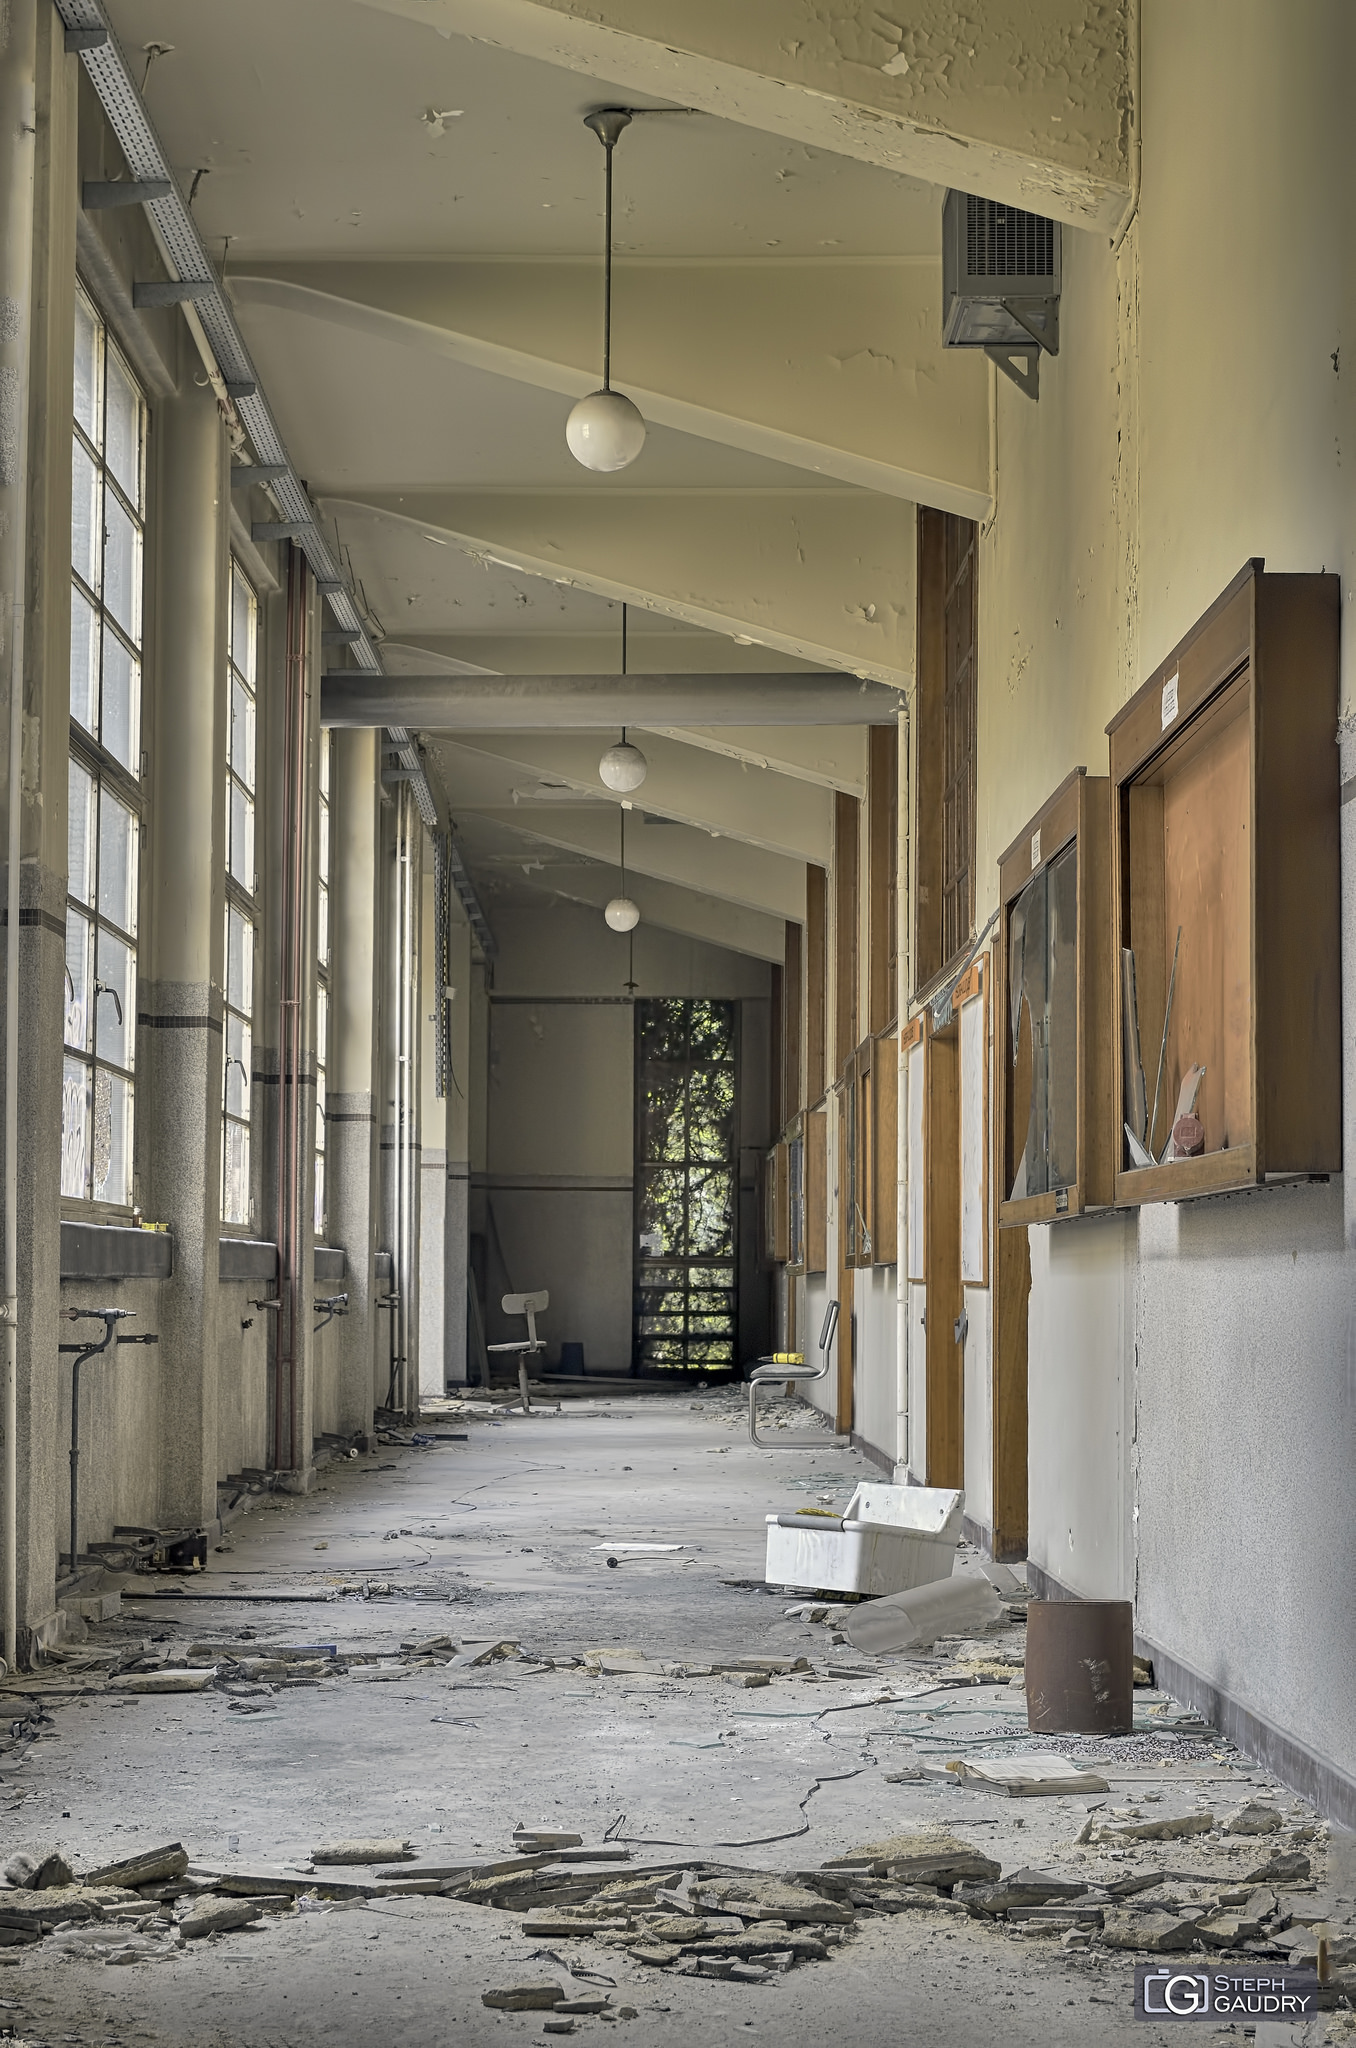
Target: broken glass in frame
1043	992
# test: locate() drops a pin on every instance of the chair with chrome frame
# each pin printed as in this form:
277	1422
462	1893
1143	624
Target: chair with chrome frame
529	1306
792	1366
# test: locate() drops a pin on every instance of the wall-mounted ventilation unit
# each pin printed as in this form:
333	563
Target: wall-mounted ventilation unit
1000	284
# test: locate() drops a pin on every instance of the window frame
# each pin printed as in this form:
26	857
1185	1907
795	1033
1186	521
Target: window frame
242	904
112	779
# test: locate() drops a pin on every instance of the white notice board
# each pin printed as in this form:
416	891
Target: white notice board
915	1166
972	1001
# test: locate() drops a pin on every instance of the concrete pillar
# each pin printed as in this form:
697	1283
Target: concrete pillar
351	1149
400	863
285	854
180	1001
457	1221
37	316
432	1152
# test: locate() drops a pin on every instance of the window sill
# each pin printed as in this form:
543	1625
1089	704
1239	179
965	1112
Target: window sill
246	1258
111	1251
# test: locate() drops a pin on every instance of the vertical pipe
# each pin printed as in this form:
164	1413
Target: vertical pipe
18	126
75	1463
291	1128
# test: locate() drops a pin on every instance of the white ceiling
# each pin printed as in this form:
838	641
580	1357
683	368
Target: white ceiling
309	115
367	413
310	119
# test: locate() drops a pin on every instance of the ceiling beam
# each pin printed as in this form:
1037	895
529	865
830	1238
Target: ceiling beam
834	368
720	868
824	575
834	756
663	906
460	703
659	649
1030	101
706	791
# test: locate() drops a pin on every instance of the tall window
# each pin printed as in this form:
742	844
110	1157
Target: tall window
237	1082
322	987
686	1186
108	506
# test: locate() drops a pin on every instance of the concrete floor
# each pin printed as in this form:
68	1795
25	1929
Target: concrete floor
504	1537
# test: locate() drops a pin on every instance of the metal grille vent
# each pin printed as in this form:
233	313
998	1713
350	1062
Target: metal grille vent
1002	241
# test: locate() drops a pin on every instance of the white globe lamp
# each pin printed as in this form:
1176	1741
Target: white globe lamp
623	768
605	431
622	914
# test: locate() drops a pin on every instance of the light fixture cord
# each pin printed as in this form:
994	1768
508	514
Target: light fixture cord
608	148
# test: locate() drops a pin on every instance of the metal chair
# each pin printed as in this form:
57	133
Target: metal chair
527	1347
769	1371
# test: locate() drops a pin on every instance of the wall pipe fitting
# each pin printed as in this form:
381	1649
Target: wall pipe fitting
110	1318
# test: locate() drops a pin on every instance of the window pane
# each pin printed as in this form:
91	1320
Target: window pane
86	368
663	1120
79	975
320	1195
324	850
74	1122
242	732
80	834
84	663
122	566
239	1048
236	1191
322	926
117	862
112	1137
115	993
711	1113
122	449
662	1225
239	962
86	526
242	838
325	749
711	1212
243	617
121	725
322	1028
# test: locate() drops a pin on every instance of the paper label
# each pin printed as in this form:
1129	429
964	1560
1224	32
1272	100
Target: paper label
1169	701
1035	851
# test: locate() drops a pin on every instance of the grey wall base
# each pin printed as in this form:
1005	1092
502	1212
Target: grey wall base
1310	1775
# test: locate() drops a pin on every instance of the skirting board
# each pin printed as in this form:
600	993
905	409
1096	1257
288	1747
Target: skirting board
874	1457
1331	1791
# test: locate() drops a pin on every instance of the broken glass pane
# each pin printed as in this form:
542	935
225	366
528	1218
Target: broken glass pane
1043	991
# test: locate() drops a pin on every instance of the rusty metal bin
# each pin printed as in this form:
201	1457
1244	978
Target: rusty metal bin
1079	1667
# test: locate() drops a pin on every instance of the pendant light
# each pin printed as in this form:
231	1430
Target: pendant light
605	431
623	768
621	913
